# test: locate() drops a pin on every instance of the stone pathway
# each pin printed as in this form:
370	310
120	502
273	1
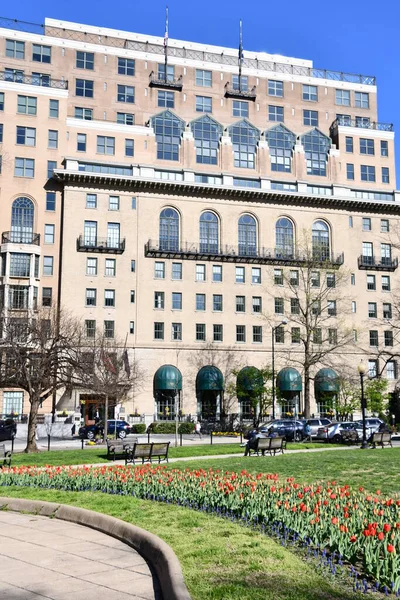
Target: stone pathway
46	558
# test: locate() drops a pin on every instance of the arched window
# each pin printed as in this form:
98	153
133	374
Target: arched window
22	215
281	142
206	133
247	236
244	139
169	230
168	129
209	233
284	238
316	147
320	241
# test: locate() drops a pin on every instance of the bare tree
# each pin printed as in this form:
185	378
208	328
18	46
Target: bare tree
39	353
311	293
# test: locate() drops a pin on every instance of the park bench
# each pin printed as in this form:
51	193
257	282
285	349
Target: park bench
118	446
270	445
382	439
5	456
147	452
349	436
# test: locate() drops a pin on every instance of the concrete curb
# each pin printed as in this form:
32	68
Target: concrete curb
157	552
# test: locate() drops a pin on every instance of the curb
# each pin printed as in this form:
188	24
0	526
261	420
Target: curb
157	552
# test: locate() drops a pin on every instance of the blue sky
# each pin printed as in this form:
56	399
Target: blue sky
345	35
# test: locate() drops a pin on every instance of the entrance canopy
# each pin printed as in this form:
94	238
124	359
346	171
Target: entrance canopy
209	378
289	380
326	381
167	377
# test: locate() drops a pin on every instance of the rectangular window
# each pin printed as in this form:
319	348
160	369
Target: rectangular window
294	278
203	104
132	327
52	139
133	266
50	201
217	303
15	49
387	310
41	53
330	280
367	146
372	368
317	335
385	226
373	338
275	88
385	175
310	118
126	66
342	97
133	204
203	78
315	279
386	254
217	273
109	298
113	235
110	267
91	297
41	79
1	101
361	99
371	282
109	329
90	326
26	136
126	93
176	301
24	167
83	113
353	279
295	306
159	300
125	118
385	283
105	145
14	75
256	304
244	83
158	330
176	272
366	224
279	306
372	311
278	276
53	109
169	75
165	99
310	93
350	221
316	307
391	369
279	334
19	265
176	332
388	338
384	148
350	171
200	332
84	60
332	308
91	200
332	337
367	253
113	203
81	142
354	306
349	144
257	334
200	272
275	113
295	335
200	302
240	109
84	88
91	266
367	173
240	333
240	304
90	233
159	270
47	296
240	274
132	296
218	332
129	147
256	275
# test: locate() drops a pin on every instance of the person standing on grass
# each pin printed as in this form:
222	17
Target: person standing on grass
197	429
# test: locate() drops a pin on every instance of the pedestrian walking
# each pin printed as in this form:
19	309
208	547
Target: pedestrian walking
197	429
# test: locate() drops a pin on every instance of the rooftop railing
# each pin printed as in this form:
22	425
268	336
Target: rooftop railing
362	123
187	53
33	80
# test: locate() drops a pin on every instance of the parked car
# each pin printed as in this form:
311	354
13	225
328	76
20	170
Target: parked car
290	429
332	432
90	431
8	429
315	424
372	422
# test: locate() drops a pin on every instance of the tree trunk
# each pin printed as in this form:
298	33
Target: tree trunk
307	403
31	445
105	431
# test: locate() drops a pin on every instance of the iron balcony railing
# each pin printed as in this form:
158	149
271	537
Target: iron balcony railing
362	123
187	53
371	263
250	254
232	92
33	80
162	82
106	245
20	237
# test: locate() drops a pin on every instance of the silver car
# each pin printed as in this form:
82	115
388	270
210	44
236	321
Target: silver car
316	424
332	432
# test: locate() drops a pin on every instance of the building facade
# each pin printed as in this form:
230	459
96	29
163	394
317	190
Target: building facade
168	203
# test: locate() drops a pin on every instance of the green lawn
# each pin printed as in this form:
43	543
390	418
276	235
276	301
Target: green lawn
220	560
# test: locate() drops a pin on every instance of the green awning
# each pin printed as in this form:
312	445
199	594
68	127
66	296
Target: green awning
209	378
289	380
168	377
326	380
249	379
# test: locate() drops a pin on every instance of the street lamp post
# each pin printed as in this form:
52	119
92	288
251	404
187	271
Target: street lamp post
361	370
283	322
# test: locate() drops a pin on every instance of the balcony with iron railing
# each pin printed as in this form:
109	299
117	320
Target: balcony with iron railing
360	123
20	237
104	245
34	80
166	82
232	91
237	254
370	263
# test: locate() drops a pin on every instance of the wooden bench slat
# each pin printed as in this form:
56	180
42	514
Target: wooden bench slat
146	452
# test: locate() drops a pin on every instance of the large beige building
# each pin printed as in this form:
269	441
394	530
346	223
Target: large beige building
166	203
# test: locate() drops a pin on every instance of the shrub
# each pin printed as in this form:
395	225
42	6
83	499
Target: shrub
169	427
186	428
138	428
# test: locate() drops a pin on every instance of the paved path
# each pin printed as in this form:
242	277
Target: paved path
45	558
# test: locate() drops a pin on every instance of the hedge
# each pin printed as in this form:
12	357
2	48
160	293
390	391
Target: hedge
138	428
169	427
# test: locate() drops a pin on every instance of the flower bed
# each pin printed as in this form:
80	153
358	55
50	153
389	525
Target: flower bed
360	528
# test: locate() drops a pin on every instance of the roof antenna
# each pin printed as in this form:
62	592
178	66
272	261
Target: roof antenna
240	54
166	43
